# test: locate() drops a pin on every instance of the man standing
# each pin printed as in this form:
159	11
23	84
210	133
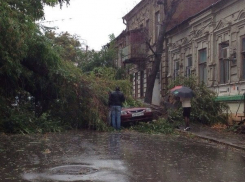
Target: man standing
116	99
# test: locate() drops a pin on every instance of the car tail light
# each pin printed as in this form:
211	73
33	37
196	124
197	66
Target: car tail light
148	110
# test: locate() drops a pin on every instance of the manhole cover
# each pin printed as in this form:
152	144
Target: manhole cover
73	170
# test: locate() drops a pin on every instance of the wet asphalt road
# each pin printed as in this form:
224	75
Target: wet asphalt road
118	156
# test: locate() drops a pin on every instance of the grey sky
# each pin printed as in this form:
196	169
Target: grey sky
92	20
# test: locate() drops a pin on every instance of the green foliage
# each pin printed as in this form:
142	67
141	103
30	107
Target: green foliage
155	127
175	115
103	58
23	120
29	63
31	8
41	66
99	88
204	108
131	102
238	127
107	73
67	45
60	89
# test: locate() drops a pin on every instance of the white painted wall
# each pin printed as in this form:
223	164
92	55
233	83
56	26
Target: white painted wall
156	97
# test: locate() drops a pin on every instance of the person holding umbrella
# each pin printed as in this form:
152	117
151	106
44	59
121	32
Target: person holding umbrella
185	94
186	105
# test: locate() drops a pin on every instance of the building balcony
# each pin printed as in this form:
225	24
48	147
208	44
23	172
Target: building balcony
134	53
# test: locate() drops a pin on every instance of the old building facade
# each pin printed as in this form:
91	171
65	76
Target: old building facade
205	40
136	43
211	46
133	52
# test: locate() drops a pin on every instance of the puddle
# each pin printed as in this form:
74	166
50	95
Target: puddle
93	169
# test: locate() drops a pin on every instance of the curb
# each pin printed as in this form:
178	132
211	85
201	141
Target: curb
213	140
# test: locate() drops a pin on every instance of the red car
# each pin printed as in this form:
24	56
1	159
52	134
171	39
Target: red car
135	114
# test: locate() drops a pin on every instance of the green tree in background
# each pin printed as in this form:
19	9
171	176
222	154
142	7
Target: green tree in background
41	88
97	62
104	58
18	33
31	67
68	46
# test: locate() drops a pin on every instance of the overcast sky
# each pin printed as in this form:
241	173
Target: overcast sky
92	20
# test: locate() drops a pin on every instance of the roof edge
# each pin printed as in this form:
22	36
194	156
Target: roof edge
191	17
135	7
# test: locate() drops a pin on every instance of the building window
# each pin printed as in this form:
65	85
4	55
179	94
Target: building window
202	65
157	22
147	26
188	66
142	74
136	84
224	62
176	69
243	57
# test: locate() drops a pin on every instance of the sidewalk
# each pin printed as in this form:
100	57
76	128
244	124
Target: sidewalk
223	137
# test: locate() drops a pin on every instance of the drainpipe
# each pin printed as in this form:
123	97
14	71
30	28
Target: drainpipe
125	23
244	104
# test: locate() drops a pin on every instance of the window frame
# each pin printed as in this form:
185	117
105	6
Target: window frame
136	84
188	66
202	66
157	22
224	63
142	79
176	69
243	57
147	26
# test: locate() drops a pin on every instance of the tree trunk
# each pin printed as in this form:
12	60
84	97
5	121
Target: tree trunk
156	64
169	12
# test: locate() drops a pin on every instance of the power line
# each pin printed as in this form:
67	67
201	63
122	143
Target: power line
52	21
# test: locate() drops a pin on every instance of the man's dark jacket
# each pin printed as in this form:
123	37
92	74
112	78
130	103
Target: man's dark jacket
116	98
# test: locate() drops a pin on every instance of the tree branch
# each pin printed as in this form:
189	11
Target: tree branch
165	6
150	47
148	41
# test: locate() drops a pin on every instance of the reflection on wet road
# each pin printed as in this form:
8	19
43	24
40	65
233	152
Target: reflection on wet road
118	156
